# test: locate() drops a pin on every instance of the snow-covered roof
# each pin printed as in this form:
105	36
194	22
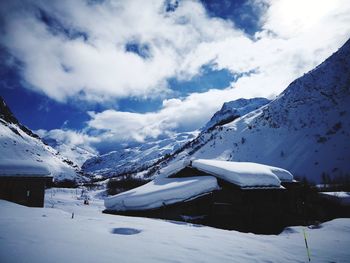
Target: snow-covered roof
173	168
161	191
22	168
244	174
164	190
282	174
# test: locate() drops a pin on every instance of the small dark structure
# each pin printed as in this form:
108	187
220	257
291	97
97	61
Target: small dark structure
24	185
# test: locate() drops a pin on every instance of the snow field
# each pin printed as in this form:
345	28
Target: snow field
51	235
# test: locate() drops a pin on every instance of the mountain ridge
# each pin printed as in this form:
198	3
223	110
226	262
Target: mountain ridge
304	130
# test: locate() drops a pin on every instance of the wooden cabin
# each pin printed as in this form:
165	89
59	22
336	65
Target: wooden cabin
257	205
24	184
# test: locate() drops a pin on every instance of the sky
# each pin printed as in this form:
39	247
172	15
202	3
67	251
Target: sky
101	73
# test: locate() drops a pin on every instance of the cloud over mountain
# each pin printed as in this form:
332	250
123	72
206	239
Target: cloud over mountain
98	51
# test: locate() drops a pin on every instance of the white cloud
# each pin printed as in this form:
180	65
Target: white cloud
289	45
100	67
176	115
70	138
296	36
291	18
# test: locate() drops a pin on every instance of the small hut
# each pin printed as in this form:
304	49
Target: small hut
23	182
230	195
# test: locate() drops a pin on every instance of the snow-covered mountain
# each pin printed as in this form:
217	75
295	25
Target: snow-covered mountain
305	130
18	143
234	109
136	158
142	156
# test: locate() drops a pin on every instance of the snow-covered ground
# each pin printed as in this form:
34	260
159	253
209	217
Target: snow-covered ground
51	235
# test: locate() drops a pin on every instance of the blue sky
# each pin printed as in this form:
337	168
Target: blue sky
244	14
114	73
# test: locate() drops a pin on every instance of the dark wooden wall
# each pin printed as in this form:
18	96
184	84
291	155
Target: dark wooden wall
28	191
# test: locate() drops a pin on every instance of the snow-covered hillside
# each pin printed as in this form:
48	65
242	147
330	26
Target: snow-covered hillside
76	153
306	130
137	158
18	143
234	109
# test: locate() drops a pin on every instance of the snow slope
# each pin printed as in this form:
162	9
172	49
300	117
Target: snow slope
51	235
136	158
305	130
19	145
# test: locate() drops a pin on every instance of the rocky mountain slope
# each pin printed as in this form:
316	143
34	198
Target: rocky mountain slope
305	130
18	144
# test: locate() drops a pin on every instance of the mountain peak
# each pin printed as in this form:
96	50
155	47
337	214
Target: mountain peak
5	113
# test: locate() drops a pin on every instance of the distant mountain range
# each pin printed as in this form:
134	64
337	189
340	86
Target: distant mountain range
136	158
143	156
